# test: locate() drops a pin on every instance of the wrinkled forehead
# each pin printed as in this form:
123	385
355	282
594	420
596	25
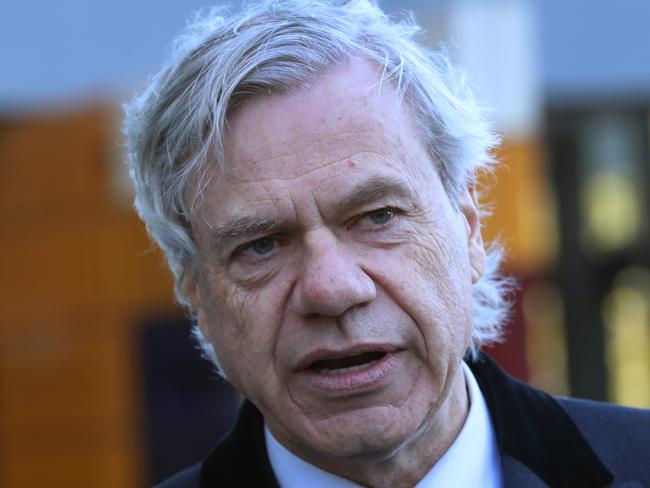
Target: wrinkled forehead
349	109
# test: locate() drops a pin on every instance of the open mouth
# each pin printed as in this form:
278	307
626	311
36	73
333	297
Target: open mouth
347	364
355	370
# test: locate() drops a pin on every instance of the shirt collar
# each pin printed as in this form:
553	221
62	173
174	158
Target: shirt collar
472	460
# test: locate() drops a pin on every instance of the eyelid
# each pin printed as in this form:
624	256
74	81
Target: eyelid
243	247
395	212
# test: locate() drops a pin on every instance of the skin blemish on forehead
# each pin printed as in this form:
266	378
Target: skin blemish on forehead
352	164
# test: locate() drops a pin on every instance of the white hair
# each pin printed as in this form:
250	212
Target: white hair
174	130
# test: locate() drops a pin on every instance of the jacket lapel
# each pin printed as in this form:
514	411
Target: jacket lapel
516	474
240	458
539	443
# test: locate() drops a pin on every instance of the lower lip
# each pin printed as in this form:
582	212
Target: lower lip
354	381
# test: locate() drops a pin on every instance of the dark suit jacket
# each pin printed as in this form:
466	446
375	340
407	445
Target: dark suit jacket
543	441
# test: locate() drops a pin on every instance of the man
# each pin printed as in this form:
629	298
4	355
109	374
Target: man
309	170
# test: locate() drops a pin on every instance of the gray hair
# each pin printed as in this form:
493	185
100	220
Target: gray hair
174	130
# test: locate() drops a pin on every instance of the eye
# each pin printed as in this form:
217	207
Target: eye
381	215
260	247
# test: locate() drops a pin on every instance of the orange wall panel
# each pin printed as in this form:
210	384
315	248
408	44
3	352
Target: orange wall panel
52	160
78	274
523	214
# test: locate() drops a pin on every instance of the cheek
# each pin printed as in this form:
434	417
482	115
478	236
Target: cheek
229	317
436	262
242	327
437	292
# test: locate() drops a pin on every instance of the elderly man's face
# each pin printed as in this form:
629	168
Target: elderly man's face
335	273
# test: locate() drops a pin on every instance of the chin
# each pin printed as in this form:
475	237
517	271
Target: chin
375	433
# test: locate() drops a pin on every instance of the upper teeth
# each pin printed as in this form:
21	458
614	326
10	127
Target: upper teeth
350	369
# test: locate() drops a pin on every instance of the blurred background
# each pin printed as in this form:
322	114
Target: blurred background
100	385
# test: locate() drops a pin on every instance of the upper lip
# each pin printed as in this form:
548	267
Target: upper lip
325	353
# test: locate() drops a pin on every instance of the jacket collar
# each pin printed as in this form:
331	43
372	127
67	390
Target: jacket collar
537	438
240	458
539	443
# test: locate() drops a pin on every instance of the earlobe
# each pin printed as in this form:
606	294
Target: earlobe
191	291
475	247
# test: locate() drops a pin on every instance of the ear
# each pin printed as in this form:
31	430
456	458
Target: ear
468	206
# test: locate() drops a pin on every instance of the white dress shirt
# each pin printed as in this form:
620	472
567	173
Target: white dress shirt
472	460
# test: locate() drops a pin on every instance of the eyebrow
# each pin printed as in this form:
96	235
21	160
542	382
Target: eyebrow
242	227
375	188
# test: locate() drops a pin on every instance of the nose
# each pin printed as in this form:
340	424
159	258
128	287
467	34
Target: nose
331	280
